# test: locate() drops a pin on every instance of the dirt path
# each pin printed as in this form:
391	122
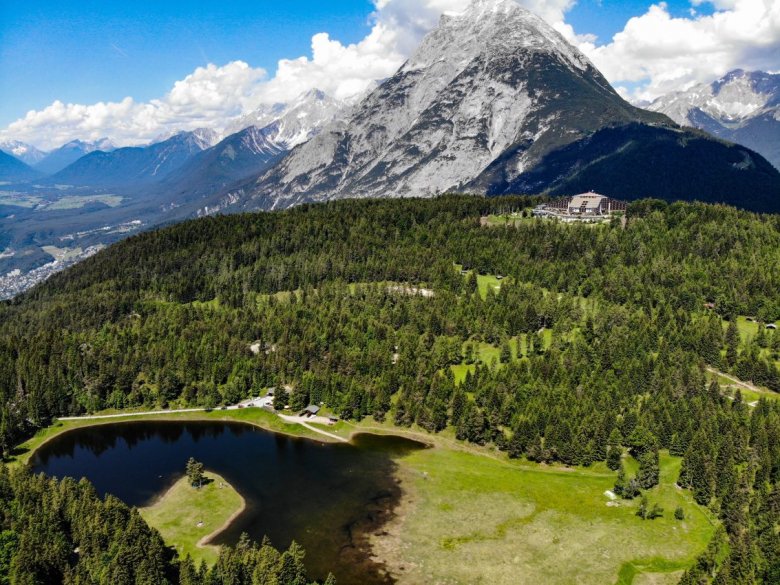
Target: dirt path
129	414
299	420
737	381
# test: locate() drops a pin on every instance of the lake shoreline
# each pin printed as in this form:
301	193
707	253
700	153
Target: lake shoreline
166	504
355	531
71	425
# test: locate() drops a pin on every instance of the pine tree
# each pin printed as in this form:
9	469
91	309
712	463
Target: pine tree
732	342
621	484
194	471
614	458
643	510
649	470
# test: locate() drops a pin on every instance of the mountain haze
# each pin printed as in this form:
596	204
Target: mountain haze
26	153
133	166
69	153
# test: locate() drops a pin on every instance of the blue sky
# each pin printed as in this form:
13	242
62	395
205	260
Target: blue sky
73	62
89	51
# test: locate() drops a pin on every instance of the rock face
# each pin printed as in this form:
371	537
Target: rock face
742	106
288	125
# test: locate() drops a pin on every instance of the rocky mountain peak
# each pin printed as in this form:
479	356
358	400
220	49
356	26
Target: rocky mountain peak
292	123
491	27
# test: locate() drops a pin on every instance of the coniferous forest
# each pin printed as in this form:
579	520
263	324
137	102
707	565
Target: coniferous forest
605	339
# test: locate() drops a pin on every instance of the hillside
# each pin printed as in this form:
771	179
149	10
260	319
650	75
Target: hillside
13	170
622	162
132	167
594	341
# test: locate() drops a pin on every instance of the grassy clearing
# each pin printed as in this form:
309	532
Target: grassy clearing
479	520
485	282
748	330
729	388
487	354
513	219
79	201
186	517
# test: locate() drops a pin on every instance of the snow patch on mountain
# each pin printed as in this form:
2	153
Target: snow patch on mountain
731	99
289	125
26	153
742	106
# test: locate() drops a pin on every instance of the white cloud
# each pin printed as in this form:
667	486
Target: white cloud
202	99
657	53
653	54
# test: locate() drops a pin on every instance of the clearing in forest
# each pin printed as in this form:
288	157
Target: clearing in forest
473	519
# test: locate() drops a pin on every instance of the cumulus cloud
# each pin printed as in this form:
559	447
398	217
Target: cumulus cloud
202	99
653	54
656	53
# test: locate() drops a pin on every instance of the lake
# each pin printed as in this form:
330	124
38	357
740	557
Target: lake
327	497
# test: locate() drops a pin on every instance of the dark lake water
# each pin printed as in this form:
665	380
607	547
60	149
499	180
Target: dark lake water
326	497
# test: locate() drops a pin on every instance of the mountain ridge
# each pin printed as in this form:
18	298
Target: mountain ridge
487	97
70	152
132	166
742	107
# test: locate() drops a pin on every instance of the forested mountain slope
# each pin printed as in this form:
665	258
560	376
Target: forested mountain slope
599	336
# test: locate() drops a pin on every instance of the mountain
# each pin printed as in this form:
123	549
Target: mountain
488	96
618	161
289	125
131	167
69	153
12	170
26	153
237	157
742	106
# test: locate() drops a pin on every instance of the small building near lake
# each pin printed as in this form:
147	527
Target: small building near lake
311	410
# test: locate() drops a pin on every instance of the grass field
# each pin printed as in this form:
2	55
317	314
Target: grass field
473	519
185	516
513	219
79	201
